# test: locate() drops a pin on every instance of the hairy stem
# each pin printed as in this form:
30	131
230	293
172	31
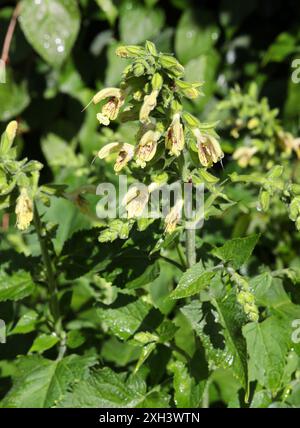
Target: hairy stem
190	247
54	305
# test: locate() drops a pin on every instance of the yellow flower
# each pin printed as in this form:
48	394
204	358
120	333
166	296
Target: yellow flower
173	217
209	149
148	105
125	154
147	147
24	210
111	109
243	155
136	200
174	140
290	143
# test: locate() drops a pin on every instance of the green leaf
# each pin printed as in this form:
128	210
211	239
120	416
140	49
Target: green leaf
192	281
106	389
284	45
44	342
125	320
109	9
16	286
26	323
221	333
233	319
14	97
268	345
187	393
51	27
236	251
145	353
41	382
195	35
138	23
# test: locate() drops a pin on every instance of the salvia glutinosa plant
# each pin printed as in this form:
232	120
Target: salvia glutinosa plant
171	145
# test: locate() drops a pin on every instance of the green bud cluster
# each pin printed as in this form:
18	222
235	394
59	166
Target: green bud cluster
245	297
262	140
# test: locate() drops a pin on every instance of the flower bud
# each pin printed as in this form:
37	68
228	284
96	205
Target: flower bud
157	81
264	200
150	47
189	90
148	105
24	210
130	51
170	63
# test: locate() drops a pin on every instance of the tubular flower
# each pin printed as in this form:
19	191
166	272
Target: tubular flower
24	210
125	154
148	105
209	149
290	143
174	140
136	200
147	147
111	109
243	155
173	217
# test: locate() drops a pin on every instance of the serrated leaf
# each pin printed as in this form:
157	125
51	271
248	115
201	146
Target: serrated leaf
187	392
237	251
268	345
192	281
106	389
123	321
51	27
41	382
16	286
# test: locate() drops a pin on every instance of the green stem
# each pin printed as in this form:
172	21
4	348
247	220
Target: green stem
190	246
173	262
54	304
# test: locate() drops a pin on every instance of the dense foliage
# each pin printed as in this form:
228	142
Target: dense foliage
134	311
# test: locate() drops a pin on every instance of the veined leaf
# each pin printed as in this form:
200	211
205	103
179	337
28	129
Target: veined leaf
51	27
105	388
15	286
268	345
125	320
236	251
41	382
192	281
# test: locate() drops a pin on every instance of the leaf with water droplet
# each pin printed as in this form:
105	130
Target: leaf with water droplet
51	27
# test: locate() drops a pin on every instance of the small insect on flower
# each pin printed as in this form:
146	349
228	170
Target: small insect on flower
136	200
209	149
173	217
110	110
146	148
24	210
125	154
174	140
